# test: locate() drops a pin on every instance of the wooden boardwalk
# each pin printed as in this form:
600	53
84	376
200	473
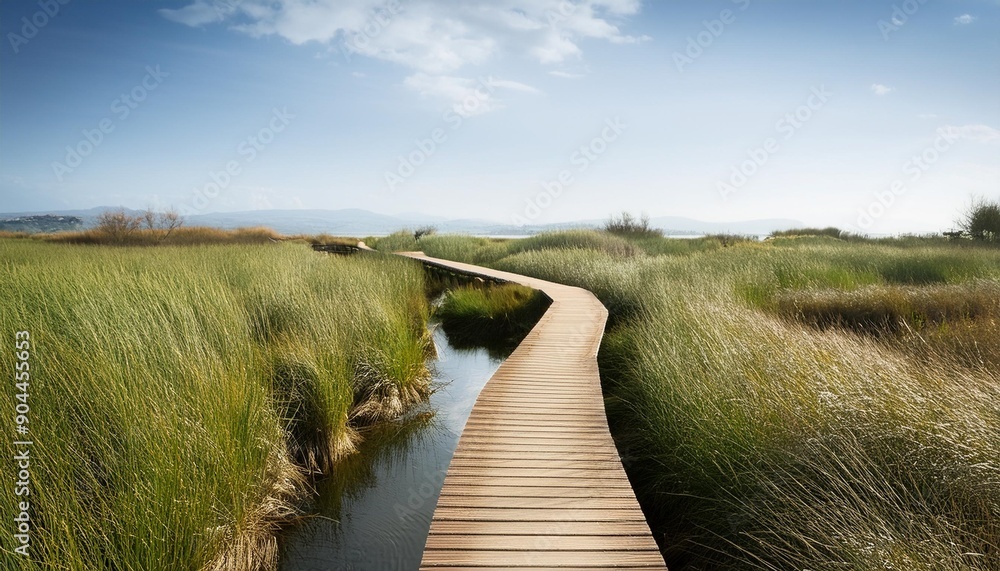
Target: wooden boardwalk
536	481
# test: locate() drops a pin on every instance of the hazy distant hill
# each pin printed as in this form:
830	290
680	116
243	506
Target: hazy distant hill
356	222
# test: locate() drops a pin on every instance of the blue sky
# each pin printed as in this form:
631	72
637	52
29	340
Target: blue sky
873	115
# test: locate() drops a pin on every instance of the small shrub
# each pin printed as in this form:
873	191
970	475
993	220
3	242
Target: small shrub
628	225
424	231
982	221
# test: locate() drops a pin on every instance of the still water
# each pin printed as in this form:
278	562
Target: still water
375	511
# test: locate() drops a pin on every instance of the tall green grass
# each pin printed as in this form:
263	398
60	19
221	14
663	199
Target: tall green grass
486	250
180	396
757	440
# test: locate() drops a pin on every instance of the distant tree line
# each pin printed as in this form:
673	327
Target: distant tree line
41	223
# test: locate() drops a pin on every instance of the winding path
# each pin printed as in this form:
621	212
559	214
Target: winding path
536	481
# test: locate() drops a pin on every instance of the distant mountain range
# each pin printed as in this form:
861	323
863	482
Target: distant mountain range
356	222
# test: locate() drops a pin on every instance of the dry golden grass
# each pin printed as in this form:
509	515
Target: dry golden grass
183	236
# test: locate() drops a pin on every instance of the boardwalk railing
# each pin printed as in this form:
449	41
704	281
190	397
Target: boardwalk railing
536	480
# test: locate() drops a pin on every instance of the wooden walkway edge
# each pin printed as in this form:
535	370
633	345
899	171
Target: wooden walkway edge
536	481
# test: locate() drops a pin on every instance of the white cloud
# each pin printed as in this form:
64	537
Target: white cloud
513	85
199	13
566	74
965	19
468	97
977	133
430	37
880	90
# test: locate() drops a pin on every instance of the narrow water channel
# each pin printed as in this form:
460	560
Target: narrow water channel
375	511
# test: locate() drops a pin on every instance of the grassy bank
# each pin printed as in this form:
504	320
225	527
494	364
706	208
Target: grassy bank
495	316
179	395
804	403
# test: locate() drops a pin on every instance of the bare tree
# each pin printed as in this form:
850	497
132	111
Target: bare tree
118	225
149	219
169	220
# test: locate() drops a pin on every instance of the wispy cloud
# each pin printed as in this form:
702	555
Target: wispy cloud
965	19
977	133
567	74
880	90
430	37
468	97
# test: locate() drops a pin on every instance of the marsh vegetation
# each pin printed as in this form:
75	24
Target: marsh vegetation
182	397
806	402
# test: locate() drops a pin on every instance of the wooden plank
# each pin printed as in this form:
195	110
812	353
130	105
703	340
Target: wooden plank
532	454
538	514
510	559
576	463
546	482
536	480
528	502
539	424
541	542
588	472
564	528
480	567
538	492
532	440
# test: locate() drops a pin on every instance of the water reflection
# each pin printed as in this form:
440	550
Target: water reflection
375	511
